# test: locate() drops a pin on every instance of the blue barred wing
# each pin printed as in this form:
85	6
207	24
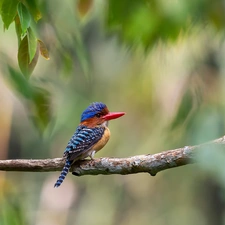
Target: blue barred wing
83	139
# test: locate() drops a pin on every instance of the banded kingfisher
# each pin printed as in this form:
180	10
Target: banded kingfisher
91	135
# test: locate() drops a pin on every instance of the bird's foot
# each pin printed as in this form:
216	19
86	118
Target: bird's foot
92	155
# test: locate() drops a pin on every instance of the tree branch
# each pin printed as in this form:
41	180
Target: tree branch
151	164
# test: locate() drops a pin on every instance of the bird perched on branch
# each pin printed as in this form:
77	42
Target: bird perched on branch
90	136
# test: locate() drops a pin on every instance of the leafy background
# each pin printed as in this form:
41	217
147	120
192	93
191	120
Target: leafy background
159	61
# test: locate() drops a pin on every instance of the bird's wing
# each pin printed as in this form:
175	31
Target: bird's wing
82	141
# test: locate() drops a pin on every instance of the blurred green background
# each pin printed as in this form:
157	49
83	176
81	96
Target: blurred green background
160	61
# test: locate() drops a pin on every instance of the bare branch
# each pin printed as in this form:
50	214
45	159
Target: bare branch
151	164
32	165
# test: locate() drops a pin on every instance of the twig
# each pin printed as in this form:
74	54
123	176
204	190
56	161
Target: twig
151	164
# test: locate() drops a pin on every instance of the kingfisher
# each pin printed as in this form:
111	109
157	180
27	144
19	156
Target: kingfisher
91	135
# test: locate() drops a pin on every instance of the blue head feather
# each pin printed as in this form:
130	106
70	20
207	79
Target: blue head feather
92	110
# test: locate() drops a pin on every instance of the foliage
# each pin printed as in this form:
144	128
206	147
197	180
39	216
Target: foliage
24	14
145	22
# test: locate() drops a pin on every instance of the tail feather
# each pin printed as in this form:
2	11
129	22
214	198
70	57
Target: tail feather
63	174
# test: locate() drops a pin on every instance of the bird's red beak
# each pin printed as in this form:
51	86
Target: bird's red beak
113	115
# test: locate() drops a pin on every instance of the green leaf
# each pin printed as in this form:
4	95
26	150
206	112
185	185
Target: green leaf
24	16
32	44
8	11
18	29
41	110
19	83
1	1
33	9
25	64
38	99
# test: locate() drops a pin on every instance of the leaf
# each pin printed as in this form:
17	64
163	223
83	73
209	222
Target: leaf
41	110
32	44
18	29
33	9
1	1
24	16
84	6
24	58
8	11
38	103
19	83
43	49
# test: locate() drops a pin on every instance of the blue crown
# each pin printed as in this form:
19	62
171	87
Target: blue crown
92	110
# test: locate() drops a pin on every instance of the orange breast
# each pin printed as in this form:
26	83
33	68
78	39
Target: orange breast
101	143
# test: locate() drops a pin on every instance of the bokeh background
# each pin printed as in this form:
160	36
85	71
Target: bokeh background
162	62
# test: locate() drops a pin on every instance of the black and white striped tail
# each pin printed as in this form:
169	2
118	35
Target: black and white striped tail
63	173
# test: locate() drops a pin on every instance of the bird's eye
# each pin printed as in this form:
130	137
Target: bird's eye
98	115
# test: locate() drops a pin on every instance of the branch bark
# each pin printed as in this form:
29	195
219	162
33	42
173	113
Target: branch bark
151	164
